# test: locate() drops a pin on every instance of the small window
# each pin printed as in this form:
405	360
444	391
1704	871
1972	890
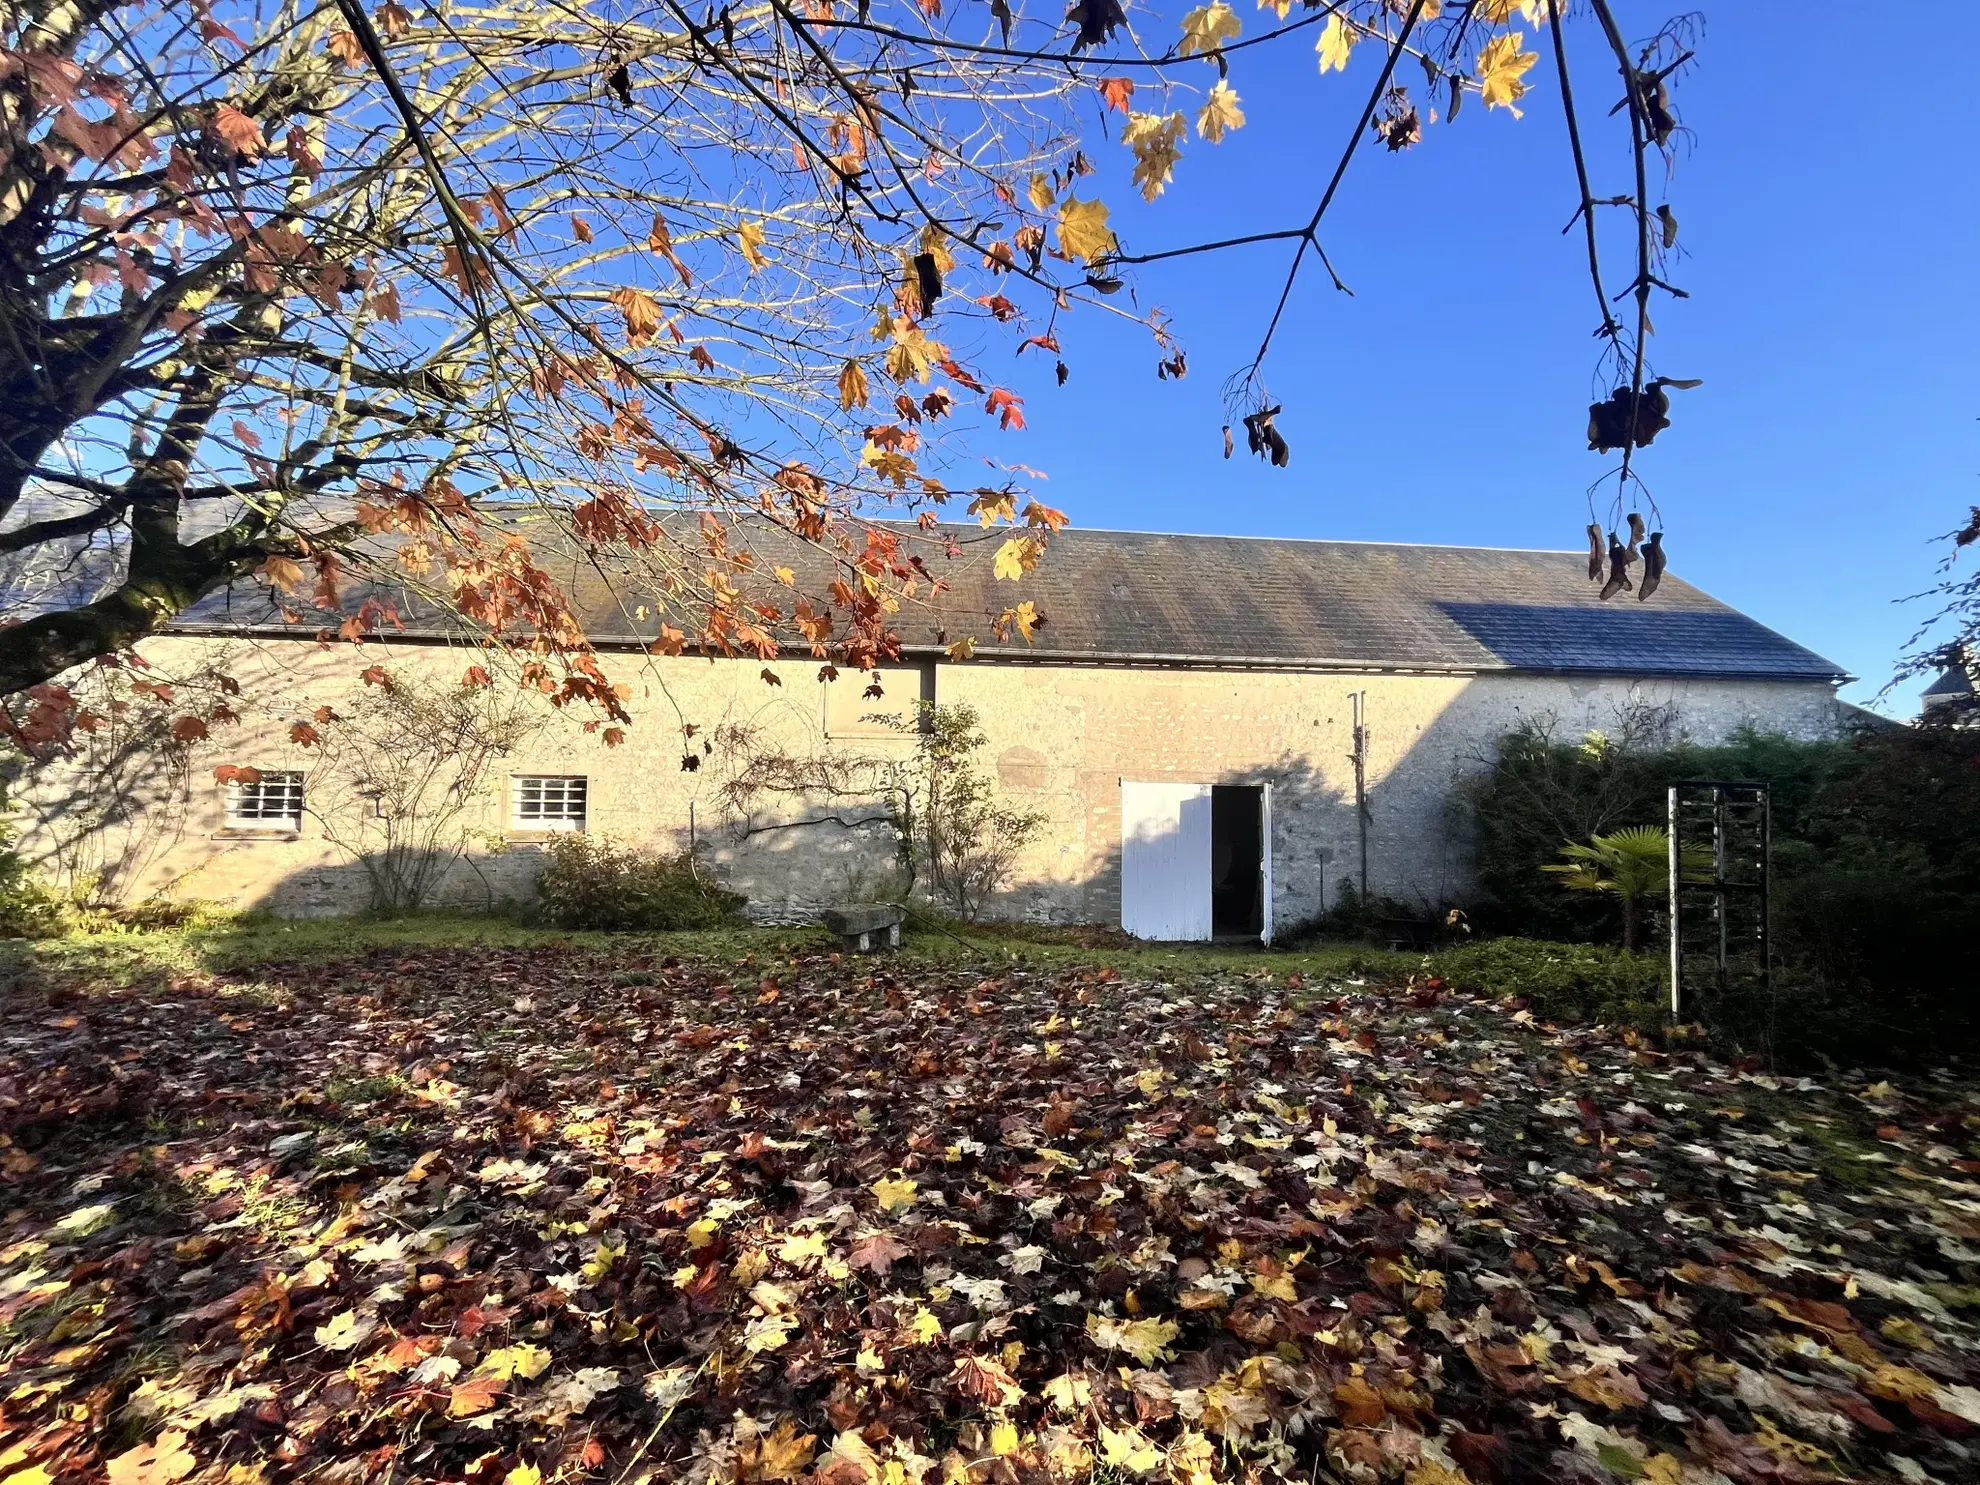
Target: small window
852	709
547	802
274	801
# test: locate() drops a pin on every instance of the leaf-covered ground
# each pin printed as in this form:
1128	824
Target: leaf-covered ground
522	1215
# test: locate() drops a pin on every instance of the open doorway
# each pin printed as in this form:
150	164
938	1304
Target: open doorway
1237	861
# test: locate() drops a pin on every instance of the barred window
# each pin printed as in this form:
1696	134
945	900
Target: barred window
274	801
547	802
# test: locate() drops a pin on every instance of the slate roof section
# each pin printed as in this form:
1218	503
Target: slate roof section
1130	596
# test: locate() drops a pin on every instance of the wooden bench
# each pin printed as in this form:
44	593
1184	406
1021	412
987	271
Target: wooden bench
866	926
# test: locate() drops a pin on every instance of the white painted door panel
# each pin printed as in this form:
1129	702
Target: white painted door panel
1165	860
1265	849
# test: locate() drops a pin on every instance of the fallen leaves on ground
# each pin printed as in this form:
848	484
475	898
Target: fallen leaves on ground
510	1217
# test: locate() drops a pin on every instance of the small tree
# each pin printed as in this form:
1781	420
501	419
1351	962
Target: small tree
415	757
1633	863
972	839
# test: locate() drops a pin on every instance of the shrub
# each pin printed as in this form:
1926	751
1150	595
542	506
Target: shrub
28	909
1581	982
590	883
1876	882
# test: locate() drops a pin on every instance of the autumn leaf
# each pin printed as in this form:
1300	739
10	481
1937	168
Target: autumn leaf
850	1461
303	735
1016	557
1145	1340
1008	406
962	649
1207	28
523	1474
238	132
1336	42
1157	144
641	312
877	1252
894	1193
784	1453
852	386
1115	93
1498	12
1069	1393
188	729
1502	70
347	1329
1220	114
1041	192
1083	230
986	1381
1128	1449
750	238
281	572
1025	616
160	1462
476	1395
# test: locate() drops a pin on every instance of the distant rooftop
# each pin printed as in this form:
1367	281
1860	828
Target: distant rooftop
1130	596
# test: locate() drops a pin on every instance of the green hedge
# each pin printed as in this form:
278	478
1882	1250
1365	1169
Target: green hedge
1876	881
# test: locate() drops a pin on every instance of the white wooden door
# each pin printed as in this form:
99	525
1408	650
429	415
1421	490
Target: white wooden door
1265	853
1165	860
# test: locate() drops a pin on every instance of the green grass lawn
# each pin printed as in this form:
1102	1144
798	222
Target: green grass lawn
240	945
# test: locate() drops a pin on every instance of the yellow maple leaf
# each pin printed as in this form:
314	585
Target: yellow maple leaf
749	236
1498	12
1016	557
1003	1437
1502	70
1220	114
1157	145
1068	1393
892	1193
1335	44
523	1474
912	355
160	1462
1129	1449
852	386
1145	1340
1207	28
1283	7
1041	191
963	649
1025	616
924	1327
1083	229
802	1247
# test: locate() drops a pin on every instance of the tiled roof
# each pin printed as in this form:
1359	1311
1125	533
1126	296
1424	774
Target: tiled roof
1140	596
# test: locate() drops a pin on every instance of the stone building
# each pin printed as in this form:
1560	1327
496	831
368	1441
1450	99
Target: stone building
1185	721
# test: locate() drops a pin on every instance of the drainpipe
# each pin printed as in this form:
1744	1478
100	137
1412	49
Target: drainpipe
1360	758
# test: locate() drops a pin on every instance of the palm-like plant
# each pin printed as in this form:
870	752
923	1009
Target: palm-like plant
1634	863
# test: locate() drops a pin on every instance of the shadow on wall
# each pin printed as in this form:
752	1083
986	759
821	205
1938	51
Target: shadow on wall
788	865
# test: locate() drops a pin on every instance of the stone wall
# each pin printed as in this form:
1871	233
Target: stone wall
1061	738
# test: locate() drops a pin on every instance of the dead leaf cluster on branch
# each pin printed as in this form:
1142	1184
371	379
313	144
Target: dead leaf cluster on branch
371	299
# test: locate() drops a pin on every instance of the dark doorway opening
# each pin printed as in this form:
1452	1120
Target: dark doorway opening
1237	861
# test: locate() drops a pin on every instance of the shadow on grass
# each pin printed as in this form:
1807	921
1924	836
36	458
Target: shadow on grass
242	945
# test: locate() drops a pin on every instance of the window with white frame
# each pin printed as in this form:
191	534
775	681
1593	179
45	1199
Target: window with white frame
273	800
547	801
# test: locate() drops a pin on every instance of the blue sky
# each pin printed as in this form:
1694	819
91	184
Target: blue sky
1828	215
